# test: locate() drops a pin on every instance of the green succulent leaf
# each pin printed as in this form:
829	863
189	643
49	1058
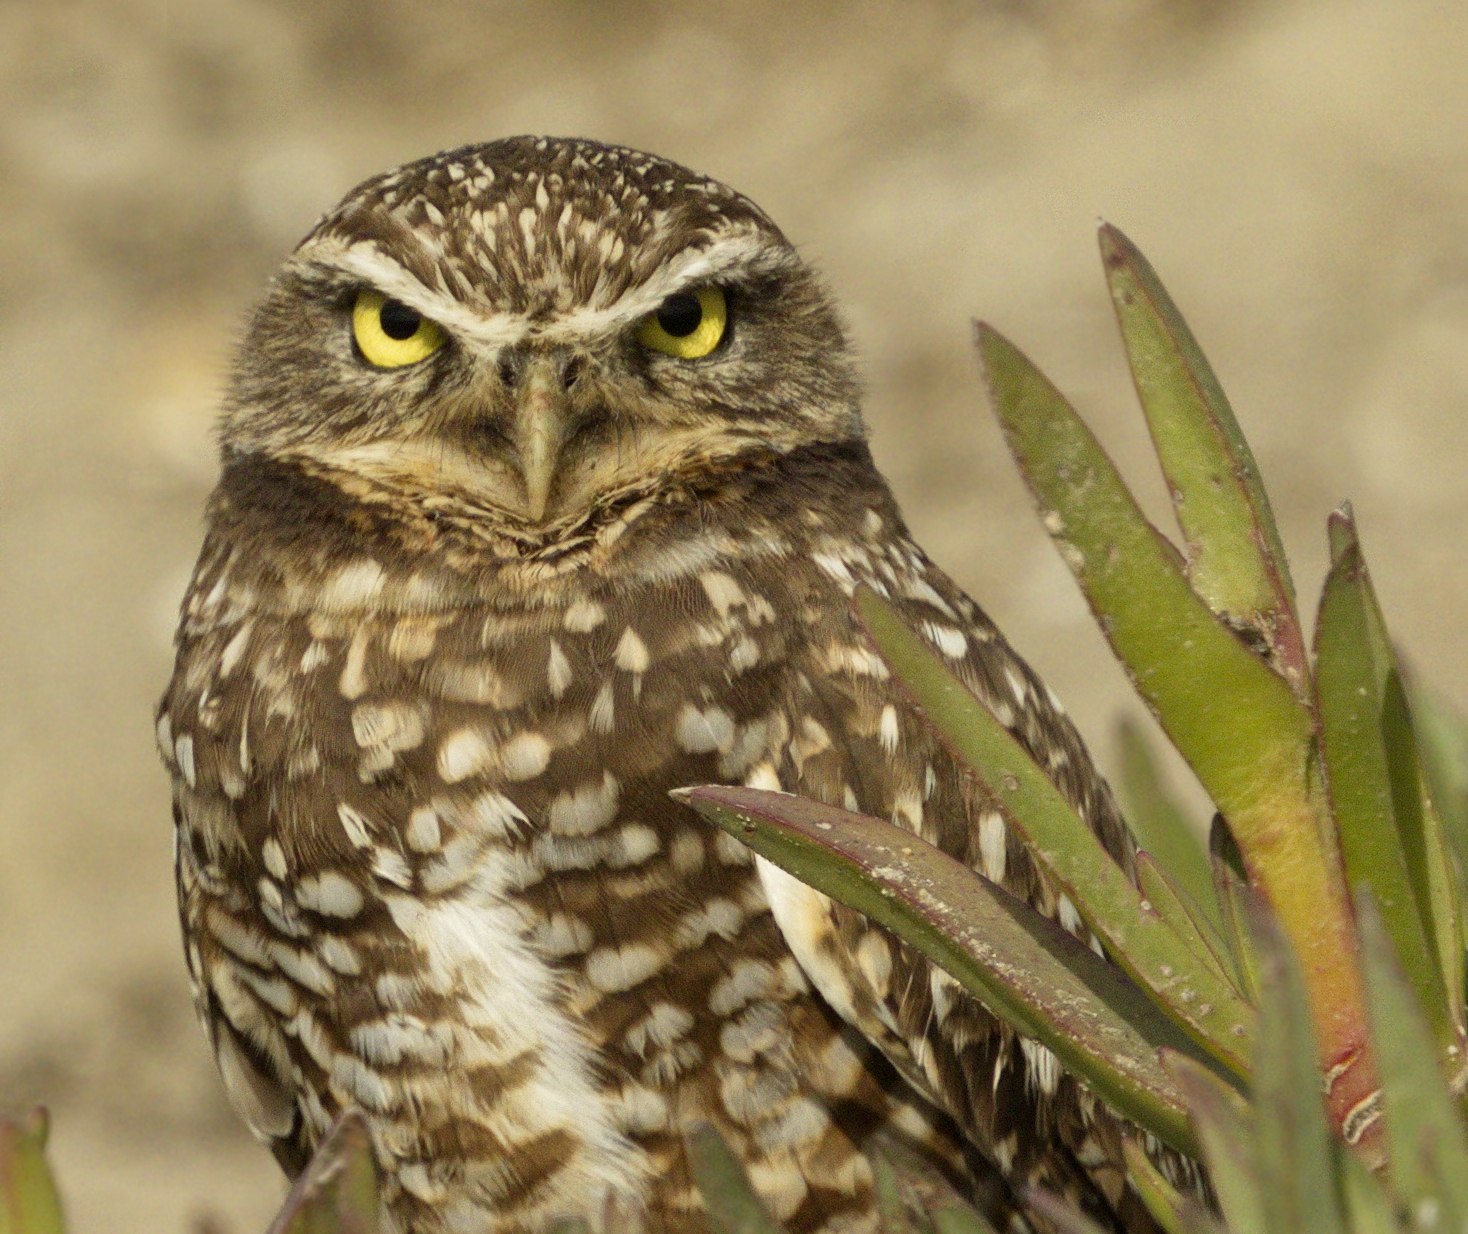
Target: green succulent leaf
1238	723
1162	1199
1152	952
895	1211
1224	1126
338	1191
1426	1140
1160	824
1173	906
1444	734
29	1202
733	1206
1234	898
1020	965
1295	1151
1390	834
1236	561
1370	1209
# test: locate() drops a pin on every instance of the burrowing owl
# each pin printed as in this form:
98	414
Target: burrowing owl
545	488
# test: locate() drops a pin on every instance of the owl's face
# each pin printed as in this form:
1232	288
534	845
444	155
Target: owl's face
541	328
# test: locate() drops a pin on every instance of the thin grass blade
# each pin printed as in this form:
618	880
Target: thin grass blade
1224	1125
896	1212
1233	894
1443	731
1058	1214
960	1221
1369	1207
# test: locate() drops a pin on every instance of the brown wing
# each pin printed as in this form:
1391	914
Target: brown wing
857	744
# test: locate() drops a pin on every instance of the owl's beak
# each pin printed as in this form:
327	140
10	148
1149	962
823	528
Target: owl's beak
540	422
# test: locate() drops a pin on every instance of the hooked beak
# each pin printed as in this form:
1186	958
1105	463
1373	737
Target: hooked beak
541	416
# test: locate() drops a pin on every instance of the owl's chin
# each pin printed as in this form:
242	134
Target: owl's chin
591	485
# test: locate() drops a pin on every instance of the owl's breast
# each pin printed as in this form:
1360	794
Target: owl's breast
446	830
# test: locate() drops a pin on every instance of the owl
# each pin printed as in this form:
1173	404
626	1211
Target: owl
544	492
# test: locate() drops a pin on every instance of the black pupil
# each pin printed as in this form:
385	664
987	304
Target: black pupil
680	315
398	320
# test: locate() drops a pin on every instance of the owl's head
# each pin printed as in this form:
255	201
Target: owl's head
542	327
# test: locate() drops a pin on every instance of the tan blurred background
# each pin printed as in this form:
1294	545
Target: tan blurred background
1298	171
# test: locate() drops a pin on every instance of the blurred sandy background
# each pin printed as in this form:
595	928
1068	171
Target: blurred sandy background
1298	171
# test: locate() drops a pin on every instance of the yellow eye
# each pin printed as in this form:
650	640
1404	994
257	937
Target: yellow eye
689	325
389	333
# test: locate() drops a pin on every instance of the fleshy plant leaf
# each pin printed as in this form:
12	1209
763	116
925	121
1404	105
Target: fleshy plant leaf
1146	946
1161	1198
338	1191
1296	1153
1236	561
1427	1143
1160	824
733	1206
1172	905
1390	835
1239	724
1020	965
1224	1125
29	1202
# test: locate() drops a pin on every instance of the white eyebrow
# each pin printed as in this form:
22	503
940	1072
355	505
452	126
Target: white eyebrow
364	260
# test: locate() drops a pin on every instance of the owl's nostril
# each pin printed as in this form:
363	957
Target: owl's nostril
571	371
509	372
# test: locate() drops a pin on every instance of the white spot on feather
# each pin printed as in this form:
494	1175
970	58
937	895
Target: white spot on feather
463	753
723	592
949	642
631	654
230	656
887	732
355	824
836	568
744	654
614	969
557	670
423	834
603	714
1042	1067
525	756
494	814
1017	686
354	586
703	731
329	893
585	810
583	616
183	750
